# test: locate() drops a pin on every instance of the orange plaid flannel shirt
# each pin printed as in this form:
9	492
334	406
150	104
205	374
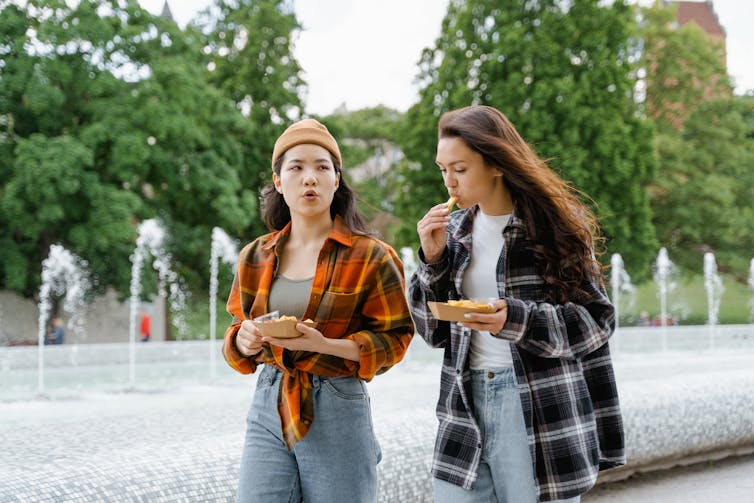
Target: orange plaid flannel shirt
358	293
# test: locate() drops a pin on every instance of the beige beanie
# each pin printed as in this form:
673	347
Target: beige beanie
306	131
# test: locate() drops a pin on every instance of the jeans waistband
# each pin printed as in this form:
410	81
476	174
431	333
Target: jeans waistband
273	372
503	375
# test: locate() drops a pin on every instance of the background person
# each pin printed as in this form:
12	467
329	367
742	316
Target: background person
57	332
528	406
309	429
145	327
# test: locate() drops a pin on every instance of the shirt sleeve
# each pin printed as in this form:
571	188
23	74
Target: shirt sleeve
388	327
430	282
236	360
568	330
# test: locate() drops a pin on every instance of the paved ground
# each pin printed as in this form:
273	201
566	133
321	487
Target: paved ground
172	441
729	480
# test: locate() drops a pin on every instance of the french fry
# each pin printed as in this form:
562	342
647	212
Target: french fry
450	203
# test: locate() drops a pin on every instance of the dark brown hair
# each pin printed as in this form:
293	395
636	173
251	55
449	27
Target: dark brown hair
561	229
277	214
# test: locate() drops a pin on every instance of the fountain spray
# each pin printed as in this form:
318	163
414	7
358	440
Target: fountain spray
714	286
223	249
151	240
62	272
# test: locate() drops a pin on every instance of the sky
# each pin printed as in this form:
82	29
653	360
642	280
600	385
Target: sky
365	53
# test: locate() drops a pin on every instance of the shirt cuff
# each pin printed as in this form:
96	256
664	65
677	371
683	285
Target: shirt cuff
235	359
431	273
516	320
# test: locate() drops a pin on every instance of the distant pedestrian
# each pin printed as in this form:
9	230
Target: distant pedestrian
57	334
146	327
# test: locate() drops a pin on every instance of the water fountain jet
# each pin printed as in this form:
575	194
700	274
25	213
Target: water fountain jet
224	249
662	276
714	286
62	273
150	240
409	262
751	285
620	282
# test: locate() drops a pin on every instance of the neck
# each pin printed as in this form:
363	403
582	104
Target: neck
499	202
310	231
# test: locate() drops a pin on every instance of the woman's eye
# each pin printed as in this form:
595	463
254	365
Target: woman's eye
324	167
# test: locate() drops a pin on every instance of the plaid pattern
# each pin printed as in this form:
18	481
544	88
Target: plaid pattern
358	293
561	360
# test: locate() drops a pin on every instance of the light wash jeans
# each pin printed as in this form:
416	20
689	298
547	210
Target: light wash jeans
335	462
505	473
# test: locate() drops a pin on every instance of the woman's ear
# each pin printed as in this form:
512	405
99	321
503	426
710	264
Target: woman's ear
276	183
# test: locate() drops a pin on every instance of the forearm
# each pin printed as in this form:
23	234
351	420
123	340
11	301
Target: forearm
343	348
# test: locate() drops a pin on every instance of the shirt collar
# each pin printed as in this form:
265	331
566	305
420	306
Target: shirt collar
339	233
462	230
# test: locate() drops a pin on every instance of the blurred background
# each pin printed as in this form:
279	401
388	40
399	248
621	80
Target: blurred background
114	113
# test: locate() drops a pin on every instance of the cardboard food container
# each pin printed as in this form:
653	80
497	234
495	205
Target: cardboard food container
282	329
446	312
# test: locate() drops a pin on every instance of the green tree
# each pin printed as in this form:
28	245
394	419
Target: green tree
682	66
368	139
106	119
705	201
248	48
562	74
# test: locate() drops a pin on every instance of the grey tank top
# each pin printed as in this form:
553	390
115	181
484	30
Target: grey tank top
289	296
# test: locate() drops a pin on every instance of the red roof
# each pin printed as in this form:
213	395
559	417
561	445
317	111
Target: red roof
701	13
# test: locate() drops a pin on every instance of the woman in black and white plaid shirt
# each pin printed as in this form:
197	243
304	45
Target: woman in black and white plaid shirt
528	408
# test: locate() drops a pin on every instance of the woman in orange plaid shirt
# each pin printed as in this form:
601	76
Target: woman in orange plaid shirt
309	430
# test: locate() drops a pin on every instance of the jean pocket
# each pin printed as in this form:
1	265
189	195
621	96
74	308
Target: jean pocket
266	377
348	388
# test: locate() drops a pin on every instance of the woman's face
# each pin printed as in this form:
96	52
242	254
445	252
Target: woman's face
307	180
467	177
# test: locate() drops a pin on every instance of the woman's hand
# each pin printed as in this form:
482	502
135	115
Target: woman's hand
248	339
311	340
431	229
493	322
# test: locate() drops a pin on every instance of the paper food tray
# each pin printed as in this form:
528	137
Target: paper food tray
281	329
445	312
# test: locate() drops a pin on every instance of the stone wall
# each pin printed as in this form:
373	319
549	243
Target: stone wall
107	320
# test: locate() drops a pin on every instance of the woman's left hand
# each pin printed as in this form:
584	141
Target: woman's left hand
311	340
493	322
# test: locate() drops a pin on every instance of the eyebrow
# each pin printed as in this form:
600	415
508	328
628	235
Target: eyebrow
450	163
323	159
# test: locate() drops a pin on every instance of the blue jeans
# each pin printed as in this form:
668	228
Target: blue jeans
506	474
335	462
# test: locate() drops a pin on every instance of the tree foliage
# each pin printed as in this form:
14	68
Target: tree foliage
248	51
108	117
368	142
683	66
562	74
705	200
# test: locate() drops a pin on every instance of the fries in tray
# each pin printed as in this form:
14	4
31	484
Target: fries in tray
454	310
281	327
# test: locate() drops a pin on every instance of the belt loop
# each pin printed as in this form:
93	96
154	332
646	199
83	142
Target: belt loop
315	381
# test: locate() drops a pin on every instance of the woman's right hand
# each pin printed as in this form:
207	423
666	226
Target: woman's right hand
248	339
431	229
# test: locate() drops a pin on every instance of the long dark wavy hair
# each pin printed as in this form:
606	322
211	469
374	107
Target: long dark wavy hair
561	228
277	214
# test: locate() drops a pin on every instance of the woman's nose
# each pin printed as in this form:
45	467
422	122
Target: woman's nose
310	179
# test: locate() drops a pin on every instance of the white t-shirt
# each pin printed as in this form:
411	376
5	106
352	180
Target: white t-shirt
480	283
